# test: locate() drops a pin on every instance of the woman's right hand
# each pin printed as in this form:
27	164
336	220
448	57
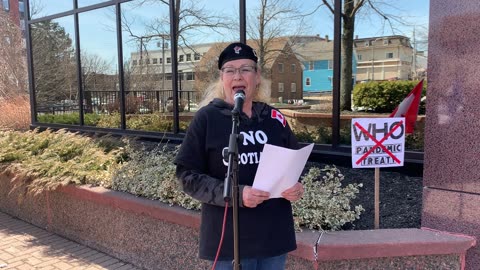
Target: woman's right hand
252	197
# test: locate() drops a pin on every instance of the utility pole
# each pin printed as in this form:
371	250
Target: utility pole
163	62
414	60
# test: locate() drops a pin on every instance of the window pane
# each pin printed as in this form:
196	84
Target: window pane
42	8
6	5
307	81
145	36
391	60
99	66
83	3
273	28
54	70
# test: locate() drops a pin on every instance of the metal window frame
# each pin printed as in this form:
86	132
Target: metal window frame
320	151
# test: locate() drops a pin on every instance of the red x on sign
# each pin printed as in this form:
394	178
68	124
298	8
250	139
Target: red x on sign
378	143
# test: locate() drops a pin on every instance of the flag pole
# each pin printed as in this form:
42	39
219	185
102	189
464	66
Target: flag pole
377	198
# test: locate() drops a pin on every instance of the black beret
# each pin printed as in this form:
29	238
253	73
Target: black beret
236	51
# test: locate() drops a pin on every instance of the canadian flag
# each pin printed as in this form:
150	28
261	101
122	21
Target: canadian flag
408	108
277	115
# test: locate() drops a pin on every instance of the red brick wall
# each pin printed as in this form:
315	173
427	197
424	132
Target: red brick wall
14	12
287	77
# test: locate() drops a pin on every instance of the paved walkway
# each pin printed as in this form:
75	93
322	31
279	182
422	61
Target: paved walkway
24	247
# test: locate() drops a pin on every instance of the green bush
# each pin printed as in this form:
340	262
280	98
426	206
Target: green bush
414	141
305	135
90	119
112	120
152	122
147	122
46	160
323	135
325	203
67	118
151	174
385	96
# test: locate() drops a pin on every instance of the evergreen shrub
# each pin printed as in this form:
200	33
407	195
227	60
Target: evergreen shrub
146	122
46	160
325	203
384	96
90	119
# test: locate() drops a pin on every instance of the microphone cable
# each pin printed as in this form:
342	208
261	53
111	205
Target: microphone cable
221	238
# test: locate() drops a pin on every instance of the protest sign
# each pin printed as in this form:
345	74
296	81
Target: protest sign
378	142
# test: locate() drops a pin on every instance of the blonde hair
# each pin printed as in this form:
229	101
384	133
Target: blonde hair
215	90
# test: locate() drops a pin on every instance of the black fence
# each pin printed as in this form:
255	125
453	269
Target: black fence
136	102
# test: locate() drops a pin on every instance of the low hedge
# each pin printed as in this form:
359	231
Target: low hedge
147	122
384	96
47	160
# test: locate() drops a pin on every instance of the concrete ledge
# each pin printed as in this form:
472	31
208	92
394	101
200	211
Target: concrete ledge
128	202
339	245
348	245
150	234
302	121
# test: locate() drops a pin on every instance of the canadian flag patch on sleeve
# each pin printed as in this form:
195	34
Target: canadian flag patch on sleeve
277	115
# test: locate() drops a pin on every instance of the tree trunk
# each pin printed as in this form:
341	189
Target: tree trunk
346	85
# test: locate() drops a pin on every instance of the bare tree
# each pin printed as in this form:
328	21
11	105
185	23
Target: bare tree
94	72
191	18
13	72
352	8
268	22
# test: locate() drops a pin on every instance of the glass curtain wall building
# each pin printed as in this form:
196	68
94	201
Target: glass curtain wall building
139	68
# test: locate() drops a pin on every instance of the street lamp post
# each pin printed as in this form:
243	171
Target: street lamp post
414	60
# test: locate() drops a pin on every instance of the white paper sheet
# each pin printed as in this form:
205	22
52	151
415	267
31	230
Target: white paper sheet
280	168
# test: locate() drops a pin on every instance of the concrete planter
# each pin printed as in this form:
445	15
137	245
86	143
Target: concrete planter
306	120
153	235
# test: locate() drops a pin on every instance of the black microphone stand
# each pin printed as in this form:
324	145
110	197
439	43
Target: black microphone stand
232	178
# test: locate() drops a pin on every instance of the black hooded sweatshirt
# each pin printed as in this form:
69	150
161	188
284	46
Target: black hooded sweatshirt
264	231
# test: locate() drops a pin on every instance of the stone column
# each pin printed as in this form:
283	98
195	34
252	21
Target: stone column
451	198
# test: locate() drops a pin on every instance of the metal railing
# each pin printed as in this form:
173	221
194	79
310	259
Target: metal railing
136	102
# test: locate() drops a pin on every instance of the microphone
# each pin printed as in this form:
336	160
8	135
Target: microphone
238	99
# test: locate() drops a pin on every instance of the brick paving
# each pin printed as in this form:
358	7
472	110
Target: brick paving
24	247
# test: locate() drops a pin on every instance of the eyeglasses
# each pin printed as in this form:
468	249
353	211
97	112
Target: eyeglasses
243	70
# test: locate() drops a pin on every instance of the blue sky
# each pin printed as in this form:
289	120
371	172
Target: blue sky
415	12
